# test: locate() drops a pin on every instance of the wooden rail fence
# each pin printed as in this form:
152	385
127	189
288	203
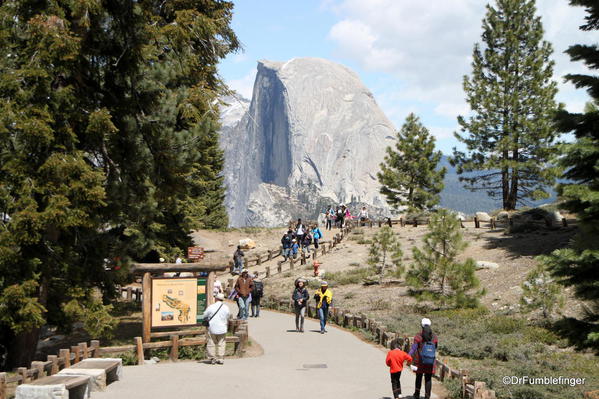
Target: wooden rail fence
73	355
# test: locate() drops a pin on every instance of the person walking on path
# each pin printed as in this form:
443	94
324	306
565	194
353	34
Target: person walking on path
306	242
294	248
300	298
244	287
363	215
257	294
323	298
238	260
424	351
218	316
341	216
316	235
395	360
329	215
287	242
300	230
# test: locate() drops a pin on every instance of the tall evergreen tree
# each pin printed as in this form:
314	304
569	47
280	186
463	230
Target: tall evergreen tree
409	175
578	266
510	136
108	147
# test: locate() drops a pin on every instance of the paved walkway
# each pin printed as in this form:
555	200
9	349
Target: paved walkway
294	366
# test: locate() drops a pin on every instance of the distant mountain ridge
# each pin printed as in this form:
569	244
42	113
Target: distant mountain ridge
455	196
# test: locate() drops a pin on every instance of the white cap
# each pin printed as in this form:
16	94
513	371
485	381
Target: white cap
220	296
425	322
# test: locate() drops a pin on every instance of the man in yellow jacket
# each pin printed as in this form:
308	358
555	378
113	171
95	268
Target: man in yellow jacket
323	298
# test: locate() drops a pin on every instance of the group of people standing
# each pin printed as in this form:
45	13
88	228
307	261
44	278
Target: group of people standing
300	297
300	237
339	215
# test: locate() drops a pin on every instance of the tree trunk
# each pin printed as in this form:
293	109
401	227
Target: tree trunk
505	182
513	195
21	349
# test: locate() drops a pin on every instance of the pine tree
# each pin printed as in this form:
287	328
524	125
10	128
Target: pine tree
510	136
541	292
108	149
384	251
409	175
578	266
435	266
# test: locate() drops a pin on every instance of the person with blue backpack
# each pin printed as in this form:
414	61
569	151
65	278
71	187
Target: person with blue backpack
316	235
424	351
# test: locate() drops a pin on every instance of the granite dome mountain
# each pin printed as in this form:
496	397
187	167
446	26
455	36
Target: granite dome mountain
312	135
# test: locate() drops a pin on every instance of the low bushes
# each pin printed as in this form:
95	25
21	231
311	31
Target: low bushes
354	276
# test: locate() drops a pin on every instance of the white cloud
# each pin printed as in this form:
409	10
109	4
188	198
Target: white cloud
428	45
244	85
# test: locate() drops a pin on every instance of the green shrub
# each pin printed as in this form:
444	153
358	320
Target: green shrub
195	352
504	324
354	276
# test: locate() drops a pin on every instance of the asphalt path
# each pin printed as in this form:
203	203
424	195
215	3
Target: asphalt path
294	366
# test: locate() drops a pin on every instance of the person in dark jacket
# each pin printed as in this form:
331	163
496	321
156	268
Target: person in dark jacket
426	370
300	298
287	243
257	294
238	260
306	242
244	287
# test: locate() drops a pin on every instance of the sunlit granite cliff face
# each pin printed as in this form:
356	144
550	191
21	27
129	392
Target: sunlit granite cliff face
311	136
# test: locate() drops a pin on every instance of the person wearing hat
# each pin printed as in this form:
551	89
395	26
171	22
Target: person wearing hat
300	298
244	287
218	316
323	298
423	352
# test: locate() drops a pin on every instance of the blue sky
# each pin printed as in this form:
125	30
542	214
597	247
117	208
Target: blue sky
412	55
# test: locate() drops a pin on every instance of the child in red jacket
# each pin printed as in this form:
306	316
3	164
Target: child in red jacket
395	360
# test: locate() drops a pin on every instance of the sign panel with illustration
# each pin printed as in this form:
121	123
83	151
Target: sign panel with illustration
174	302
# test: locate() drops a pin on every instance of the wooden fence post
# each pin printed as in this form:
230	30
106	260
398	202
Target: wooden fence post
476	223
22	371
76	352
3	386
415	222
267	271
147	307
139	349
54	367
564	222
280	265
269	254
493	224
94	345
174	355
66	355
84	352
39	366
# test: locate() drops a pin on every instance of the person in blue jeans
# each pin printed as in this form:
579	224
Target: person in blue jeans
244	287
323	298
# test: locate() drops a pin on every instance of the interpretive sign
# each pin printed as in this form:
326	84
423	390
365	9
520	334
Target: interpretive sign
195	253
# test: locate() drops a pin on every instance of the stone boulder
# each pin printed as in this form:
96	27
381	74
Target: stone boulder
247	243
503	216
481	264
483	217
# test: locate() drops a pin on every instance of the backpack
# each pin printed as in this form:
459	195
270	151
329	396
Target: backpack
258	288
427	353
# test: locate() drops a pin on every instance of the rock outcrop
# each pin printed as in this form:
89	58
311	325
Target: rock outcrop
311	136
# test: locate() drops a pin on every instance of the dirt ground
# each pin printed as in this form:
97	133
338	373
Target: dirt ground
515	255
